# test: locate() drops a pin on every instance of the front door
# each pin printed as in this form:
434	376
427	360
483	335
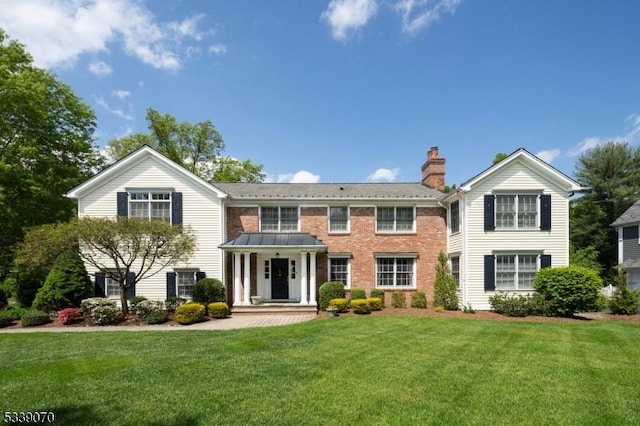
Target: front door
279	278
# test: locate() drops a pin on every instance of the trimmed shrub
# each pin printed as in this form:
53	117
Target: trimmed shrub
358	293
133	303
572	289
445	291
157	317
100	310
209	290
172	303
419	300
340	304
330	290
375	303
189	313
145	308
515	305
540	306
218	310
65	286
624	301
398	299
14	312
6	319
69	315
360	306
35	318
379	293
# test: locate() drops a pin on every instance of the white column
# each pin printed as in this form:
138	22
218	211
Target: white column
236	279
247	279
312	281
303	279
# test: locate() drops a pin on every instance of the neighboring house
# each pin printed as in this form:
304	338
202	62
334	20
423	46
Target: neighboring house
505	224
282	241
629	244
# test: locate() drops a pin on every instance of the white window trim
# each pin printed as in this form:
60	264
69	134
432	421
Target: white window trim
330	257
331	231
515	227
414	272
517	265
395	221
183	271
279	218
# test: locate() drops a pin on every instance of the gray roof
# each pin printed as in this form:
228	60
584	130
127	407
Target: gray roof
330	191
274	240
631	215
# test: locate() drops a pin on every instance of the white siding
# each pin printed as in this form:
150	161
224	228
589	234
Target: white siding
515	177
202	210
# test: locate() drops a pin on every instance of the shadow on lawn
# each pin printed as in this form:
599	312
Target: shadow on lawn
81	415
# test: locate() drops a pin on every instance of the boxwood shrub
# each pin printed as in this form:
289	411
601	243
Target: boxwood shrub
340	304
157	317
6	319
329	290
218	310
358	293
360	306
209	290
398	299
419	300
379	293
375	303
35	318
189	313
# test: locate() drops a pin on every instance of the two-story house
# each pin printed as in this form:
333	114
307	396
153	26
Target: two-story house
629	244
282	241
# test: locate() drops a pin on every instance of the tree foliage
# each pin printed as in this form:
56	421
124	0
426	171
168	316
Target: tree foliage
46	146
445	285
499	157
67	284
196	147
611	172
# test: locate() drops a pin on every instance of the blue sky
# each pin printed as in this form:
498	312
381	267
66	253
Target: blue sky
352	90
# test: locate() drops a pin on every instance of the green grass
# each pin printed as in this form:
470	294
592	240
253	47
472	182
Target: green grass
352	370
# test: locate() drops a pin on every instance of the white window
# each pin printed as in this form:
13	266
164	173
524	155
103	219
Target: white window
111	287
516	271
150	205
339	219
395	272
184	283
516	211
455	217
455	269
278	219
339	270
395	219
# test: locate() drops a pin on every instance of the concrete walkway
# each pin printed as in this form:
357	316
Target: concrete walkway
231	323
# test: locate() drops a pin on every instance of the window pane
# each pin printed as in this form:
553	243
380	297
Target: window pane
288	218
404	219
455	270
112	288
161	211
339	270
139	210
139	195
527	268
505	211
404	272
269	218
384	220
385	272
185	284
455	216
338	218
527	211
505	272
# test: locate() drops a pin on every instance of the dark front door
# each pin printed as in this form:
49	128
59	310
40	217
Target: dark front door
279	278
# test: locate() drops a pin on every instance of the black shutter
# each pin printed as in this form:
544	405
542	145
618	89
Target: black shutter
176	208
489	212
123	204
545	212
131	291
200	275
99	289
489	273
545	261
171	284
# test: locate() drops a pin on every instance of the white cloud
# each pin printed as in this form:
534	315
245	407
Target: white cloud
121	94
548	155
115	111
301	176
384	175
57	32
418	15
347	16
218	49
100	68
631	135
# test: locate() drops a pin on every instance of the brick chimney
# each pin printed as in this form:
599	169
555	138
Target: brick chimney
433	170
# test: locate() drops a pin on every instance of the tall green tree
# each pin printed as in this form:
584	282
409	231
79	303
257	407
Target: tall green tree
46	146
611	172
196	147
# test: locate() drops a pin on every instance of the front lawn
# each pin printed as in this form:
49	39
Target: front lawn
352	370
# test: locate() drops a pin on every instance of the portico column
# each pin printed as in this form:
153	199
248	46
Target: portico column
247	279
236	279
303	279
312	281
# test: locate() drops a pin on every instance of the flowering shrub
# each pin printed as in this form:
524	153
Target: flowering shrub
172	303
145	308
68	315
101	311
